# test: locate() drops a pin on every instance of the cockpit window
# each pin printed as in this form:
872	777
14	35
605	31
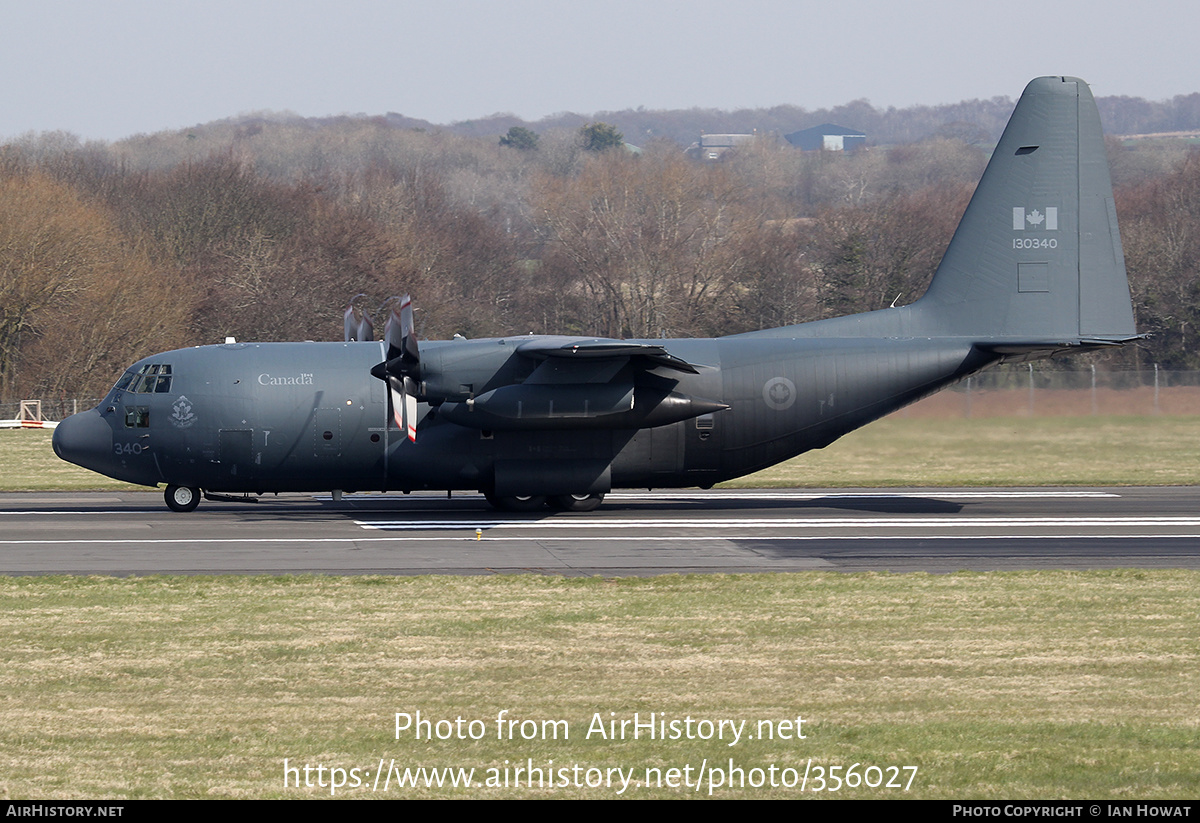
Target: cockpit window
123	383
137	417
151	378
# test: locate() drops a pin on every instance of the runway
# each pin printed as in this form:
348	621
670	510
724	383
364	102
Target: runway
647	533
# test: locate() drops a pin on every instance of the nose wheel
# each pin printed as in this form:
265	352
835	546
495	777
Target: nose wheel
182	498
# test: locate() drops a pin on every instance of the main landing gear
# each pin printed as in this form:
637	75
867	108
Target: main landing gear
534	502
575	502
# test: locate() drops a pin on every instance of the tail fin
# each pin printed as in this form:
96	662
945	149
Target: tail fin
1037	256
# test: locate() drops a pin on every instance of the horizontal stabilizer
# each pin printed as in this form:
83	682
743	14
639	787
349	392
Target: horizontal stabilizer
1029	349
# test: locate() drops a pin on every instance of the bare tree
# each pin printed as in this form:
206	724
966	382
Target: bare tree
651	239
76	300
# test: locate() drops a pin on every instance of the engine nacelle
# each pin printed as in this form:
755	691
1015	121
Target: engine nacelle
575	406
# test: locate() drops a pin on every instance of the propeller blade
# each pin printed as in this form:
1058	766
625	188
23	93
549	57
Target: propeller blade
356	322
403	361
391	329
408	334
366	329
410	408
396	389
400	333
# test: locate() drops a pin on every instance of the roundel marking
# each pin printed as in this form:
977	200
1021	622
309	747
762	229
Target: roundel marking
779	393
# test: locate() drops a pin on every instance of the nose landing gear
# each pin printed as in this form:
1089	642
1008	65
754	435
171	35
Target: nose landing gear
182	498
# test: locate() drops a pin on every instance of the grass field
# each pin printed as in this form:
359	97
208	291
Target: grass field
1049	451
28	463
1005	685
1016	685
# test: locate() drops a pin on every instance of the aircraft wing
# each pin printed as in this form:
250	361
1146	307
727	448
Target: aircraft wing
593	349
585	383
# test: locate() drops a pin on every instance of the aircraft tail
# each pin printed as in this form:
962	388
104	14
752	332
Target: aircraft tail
1037	259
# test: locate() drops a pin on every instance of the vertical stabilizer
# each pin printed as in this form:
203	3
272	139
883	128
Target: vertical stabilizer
1037	255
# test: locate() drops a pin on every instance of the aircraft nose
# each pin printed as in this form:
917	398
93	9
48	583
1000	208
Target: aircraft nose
84	439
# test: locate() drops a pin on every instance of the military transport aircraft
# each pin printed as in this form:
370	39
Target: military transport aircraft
1035	268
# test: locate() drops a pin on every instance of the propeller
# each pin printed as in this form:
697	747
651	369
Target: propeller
358	325
403	364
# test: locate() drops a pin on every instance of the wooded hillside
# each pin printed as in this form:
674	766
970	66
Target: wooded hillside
264	228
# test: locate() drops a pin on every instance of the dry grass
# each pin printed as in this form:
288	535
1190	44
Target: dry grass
28	463
1024	685
1051	451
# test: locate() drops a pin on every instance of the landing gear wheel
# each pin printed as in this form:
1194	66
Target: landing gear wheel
182	498
523	503
576	502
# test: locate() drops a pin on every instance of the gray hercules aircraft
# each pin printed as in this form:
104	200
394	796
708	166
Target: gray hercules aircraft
1035	268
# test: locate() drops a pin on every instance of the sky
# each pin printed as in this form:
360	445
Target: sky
112	69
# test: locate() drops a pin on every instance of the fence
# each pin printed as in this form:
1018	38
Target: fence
50	409
1021	391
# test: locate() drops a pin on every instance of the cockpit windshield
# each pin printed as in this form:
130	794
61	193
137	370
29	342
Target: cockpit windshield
150	378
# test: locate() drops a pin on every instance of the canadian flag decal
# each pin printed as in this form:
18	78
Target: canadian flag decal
1035	219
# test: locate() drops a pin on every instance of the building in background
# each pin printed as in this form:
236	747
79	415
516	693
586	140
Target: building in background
713	147
827	137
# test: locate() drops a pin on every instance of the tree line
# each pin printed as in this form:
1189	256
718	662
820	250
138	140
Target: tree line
109	252
978	121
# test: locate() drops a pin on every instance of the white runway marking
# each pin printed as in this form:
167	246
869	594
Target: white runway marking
949	494
575	524
692	540
57	512
776	494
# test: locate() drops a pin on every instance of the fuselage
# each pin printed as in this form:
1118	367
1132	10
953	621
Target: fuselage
276	417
